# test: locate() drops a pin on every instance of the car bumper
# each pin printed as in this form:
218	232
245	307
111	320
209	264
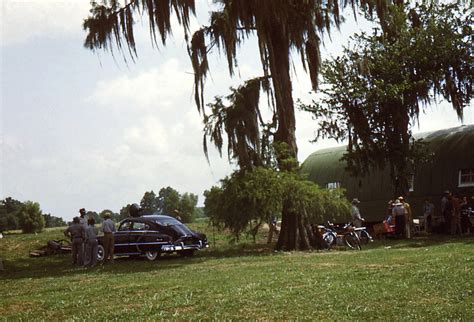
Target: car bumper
182	246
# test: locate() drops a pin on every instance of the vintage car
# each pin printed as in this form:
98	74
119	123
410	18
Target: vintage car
153	235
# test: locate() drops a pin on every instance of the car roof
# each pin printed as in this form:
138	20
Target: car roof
150	218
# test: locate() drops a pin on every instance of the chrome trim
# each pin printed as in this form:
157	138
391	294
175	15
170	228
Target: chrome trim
150	243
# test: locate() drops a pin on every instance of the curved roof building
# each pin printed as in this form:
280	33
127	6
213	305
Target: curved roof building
451	167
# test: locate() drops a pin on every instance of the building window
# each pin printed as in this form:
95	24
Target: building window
333	185
466	177
411	182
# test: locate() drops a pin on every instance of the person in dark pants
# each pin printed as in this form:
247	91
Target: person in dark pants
76	232
399	212
91	244
83	221
108	227
447	210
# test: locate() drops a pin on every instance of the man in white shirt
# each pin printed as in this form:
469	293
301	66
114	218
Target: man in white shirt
108	227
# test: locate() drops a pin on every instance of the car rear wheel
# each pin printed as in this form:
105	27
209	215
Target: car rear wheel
151	255
100	253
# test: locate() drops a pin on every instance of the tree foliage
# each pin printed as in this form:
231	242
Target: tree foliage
168	199
15	214
187	207
31	218
9	211
52	221
247	199
93	214
374	93
124	212
149	202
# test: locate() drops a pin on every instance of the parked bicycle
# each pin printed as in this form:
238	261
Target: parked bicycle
363	234
339	236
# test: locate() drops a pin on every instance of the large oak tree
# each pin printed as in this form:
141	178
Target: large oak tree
280	27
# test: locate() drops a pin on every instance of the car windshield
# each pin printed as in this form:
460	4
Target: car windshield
167	221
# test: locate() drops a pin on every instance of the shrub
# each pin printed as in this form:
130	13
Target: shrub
31	217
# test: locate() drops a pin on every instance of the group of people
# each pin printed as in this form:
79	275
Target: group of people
455	210
400	215
83	235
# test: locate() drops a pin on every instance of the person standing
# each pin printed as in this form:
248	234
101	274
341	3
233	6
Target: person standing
456	216
91	244
408	217
428	213
76	232
355	214
108	227
399	212
446	210
83	221
271	228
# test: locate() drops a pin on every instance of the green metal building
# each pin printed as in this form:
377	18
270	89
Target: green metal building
451	168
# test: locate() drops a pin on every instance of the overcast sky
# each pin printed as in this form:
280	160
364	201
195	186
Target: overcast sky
84	130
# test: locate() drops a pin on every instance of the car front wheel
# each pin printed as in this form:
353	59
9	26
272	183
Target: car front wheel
151	255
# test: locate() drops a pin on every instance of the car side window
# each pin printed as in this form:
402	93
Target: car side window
126	225
140	226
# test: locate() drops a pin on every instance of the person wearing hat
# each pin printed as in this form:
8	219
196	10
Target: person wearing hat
399	212
76	232
355	214
108	227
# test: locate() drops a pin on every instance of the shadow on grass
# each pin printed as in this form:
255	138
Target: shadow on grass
60	265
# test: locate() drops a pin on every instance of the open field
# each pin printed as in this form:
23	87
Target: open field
390	280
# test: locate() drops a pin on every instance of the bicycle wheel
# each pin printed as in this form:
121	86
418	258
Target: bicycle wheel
364	237
352	241
329	239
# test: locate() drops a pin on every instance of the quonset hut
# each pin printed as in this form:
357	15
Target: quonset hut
451	168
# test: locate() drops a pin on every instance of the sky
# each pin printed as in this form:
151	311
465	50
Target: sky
83	129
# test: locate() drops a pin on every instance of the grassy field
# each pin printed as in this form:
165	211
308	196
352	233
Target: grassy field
421	279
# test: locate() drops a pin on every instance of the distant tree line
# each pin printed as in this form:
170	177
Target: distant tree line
27	216
169	202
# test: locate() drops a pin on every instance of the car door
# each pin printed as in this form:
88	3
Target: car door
121	236
137	237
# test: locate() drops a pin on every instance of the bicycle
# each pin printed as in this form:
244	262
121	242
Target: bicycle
363	234
334	236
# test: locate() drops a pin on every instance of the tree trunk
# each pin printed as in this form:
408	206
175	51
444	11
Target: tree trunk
401	154
294	233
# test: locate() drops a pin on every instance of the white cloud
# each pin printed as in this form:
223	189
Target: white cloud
24	20
155	88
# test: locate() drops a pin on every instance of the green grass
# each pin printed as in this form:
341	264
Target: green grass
421	279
